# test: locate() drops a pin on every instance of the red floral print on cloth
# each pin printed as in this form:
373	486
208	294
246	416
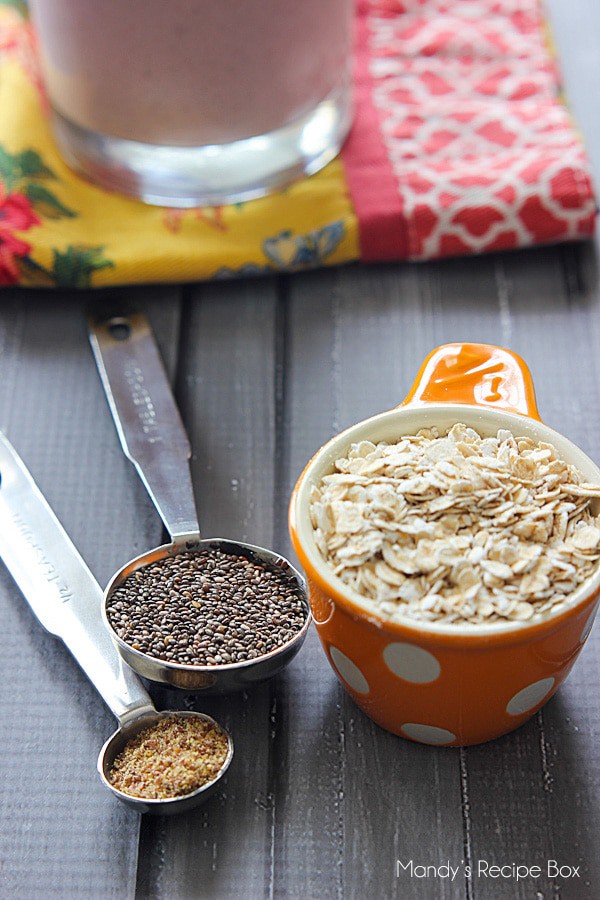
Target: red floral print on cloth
16	214
27	199
461	144
459	111
18	42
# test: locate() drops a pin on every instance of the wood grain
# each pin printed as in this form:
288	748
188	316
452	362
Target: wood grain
62	834
227	394
319	803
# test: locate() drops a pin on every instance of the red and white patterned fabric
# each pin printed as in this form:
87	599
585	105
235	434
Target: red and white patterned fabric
462	143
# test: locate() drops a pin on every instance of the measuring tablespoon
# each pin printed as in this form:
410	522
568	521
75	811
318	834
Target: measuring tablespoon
154	439
67	600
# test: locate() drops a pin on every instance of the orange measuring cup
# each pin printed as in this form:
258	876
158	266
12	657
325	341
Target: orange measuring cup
441	682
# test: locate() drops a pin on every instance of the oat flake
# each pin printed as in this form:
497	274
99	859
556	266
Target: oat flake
457	528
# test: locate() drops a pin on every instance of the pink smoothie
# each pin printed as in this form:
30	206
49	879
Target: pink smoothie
191	72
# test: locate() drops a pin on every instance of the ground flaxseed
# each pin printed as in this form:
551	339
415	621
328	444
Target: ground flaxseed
207	607
172	758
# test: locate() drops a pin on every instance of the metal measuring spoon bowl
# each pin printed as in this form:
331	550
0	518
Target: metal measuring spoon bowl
217	678
153	438
163	806
67	600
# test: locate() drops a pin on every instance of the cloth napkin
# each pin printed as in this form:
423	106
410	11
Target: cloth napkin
461	145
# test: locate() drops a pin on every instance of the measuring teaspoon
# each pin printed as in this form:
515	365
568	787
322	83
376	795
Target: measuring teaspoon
67	601
153	437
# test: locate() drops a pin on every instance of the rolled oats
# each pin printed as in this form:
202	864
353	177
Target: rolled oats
458	528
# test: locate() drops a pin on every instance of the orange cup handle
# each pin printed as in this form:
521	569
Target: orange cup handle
475	374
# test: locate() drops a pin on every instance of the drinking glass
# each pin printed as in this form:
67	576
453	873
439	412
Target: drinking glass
196	102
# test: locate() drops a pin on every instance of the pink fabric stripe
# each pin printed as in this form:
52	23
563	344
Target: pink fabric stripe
461	144
371	181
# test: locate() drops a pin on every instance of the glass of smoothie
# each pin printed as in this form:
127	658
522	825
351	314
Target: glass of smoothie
197	102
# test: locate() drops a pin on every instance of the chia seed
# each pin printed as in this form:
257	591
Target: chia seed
207	607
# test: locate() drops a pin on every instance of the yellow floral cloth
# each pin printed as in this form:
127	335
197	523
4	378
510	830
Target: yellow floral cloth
461	144
57	229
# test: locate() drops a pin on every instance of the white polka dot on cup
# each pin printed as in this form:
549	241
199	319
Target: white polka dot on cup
427	734
348	671
411	663
529	697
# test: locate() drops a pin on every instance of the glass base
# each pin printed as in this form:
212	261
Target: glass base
214	174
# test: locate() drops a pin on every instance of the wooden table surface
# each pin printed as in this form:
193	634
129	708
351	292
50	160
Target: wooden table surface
319	802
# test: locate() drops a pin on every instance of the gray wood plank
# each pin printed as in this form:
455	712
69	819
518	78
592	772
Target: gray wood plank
575	27
558	331
523	805
395	315
349	332
311	849
227	395
63	836
555	310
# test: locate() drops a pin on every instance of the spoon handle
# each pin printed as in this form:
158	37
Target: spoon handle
60	589
150	429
